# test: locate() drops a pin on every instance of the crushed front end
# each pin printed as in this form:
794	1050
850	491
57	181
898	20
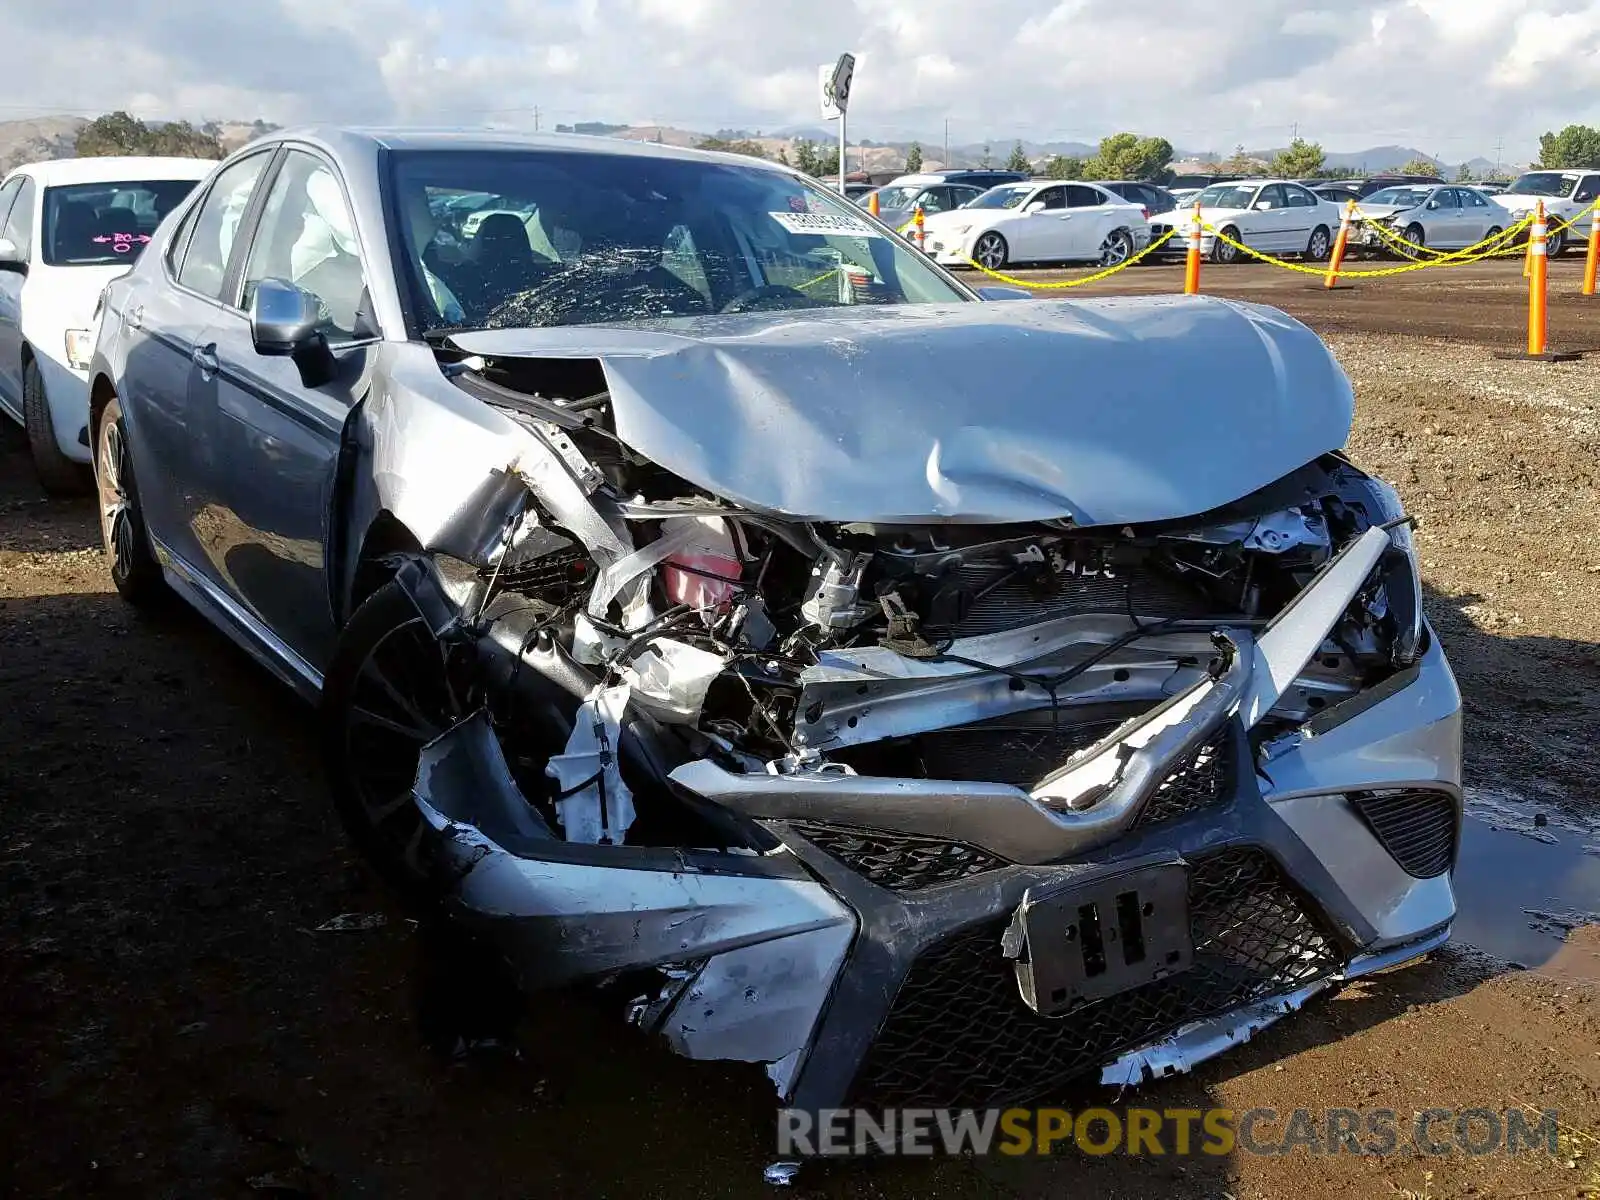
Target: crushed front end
937	813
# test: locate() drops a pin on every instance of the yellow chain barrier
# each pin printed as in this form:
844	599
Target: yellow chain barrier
1453	259
1072	283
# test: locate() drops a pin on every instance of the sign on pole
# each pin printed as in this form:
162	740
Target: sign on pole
835	81
830	110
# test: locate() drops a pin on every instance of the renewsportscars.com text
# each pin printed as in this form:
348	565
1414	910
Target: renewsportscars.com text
1170	1131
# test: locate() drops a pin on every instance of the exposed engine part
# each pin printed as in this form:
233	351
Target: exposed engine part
834	602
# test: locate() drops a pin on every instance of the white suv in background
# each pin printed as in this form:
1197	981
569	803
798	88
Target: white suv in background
67	228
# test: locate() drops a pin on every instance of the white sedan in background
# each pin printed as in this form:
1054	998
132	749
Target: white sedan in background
1568	198
1441	216
67	228
1274	216
1040	221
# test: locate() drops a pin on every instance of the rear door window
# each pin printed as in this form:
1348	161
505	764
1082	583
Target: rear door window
1079	196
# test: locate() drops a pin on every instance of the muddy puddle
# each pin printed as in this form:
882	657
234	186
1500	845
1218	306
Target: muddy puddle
1529	875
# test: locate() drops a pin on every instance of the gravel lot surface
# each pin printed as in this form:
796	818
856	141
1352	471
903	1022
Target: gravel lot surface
178	1023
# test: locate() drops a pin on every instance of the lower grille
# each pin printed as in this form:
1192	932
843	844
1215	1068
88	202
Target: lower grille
1203	780
896	860
1417	828
959	1034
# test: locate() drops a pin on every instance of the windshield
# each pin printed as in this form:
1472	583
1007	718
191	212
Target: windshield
1227	195
1402	197
1543	183
1004	196
518	238
899	197
87	224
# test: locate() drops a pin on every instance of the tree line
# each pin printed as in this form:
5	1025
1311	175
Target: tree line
1132	156
120	133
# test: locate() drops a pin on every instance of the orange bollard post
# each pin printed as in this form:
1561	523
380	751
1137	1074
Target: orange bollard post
1336	259
1538	279
1591	262
919	235
1191	269
872	203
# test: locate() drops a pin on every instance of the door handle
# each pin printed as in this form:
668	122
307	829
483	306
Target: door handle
205	357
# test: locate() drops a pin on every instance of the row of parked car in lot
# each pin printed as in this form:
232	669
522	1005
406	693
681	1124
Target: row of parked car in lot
999	219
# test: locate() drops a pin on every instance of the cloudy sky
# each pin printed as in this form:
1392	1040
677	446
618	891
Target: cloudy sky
1452	77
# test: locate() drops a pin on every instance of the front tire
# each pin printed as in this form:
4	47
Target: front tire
990	252
1418	237
1227	253
386	694
134	569
1320	246
58	474
1555	243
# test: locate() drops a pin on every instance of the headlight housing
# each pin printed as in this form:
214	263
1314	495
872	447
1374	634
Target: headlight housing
79	348
1401	574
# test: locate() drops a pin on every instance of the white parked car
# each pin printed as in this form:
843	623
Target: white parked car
67	228
1568	197
1274	216
1039	221
1441	216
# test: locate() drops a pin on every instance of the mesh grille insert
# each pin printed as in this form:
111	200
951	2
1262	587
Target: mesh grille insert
899	861
959	1034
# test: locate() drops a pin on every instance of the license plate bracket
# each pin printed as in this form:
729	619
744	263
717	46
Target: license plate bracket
1084	941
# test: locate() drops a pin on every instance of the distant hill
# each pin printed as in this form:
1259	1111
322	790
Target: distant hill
38	139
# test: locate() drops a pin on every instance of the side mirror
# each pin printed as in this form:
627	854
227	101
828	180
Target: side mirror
1262	206
1001	292
1036	206
1433	204
10	259
284	323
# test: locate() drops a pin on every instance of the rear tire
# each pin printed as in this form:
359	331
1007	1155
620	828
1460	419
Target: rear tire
134	569
386	694
1320	247
1116	249
58	474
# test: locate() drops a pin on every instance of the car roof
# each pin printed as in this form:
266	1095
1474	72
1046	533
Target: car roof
369	139
116	169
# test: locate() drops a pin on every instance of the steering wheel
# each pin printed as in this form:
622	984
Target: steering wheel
757	296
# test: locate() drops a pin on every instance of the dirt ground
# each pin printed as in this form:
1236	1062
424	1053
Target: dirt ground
177	1020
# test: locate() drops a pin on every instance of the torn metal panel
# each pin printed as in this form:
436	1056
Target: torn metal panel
1300	629
868	693
566	918
1119	773
888	413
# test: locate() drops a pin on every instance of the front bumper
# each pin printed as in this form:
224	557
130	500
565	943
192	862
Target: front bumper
862	959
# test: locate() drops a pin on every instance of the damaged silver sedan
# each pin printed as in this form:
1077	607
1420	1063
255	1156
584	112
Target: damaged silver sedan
934	700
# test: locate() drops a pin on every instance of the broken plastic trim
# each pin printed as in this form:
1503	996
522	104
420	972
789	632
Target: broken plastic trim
1186	1048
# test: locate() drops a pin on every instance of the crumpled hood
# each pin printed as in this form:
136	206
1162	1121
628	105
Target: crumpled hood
1112	411
1377	212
